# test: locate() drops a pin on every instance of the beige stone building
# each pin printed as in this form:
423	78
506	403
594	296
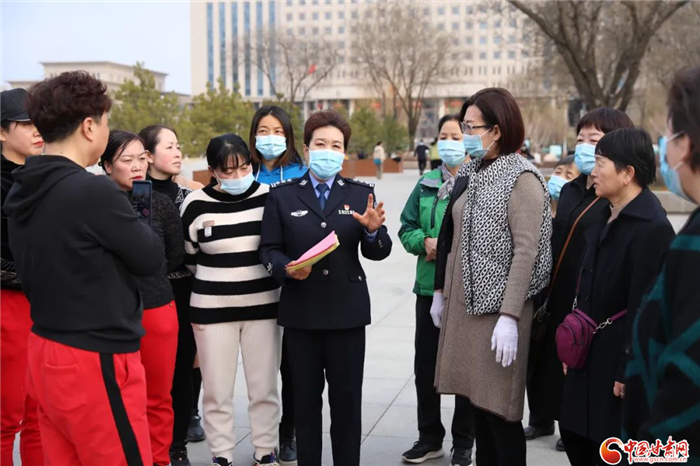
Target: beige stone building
487	48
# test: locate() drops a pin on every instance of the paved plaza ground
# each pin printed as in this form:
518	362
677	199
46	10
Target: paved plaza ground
389	424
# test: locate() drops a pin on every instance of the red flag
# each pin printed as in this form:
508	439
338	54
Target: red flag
312	68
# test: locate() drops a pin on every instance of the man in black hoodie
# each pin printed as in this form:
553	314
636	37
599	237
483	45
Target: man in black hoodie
77	244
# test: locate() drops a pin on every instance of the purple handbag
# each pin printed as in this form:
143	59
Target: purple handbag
575	334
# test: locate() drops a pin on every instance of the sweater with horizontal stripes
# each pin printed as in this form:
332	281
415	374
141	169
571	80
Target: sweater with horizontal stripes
222	235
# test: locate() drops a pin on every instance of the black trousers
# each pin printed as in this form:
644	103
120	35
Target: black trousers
538	422
583	451
499	443
430	426
337	356
287	422
421	165
182	391
435	163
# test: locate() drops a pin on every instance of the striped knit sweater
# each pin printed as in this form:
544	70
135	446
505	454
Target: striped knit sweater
222	235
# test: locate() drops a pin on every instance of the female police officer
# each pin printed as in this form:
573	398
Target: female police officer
325	308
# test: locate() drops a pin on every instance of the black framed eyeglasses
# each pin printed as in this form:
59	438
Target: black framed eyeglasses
469	129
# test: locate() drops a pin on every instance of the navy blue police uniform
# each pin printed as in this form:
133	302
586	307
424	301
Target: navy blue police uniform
324	316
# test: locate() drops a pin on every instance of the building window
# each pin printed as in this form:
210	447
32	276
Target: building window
328	15
482	55
482	8
222	41
469	55
290	17
470	10
341	15
455	41
497	55
511	55
302	31
455	10
302	16
302	2
341	30
470	25
314	31
426	11
328	31
247	58
210	44
497	24
314	2
314	16
289	2
470	40
259	31
497	40
483	25
354	14
441	26
273	63
290	31
455	56
441	10
483	40
455	26
511	39
525	54
341	45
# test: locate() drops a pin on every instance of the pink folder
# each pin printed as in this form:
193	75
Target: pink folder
316	253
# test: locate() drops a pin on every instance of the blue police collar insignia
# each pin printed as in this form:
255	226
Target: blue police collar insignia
300	213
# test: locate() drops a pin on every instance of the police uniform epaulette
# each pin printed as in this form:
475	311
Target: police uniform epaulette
361	183
288	182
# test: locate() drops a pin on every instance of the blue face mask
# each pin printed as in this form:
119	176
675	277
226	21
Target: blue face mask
585	157
451	152
271	147
555	184
474	147
325	163
236	186
670	174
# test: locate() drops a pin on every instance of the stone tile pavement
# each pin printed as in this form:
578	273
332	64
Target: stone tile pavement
389	423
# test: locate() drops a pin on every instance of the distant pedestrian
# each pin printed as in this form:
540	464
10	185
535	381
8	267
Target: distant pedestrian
379	156
421	154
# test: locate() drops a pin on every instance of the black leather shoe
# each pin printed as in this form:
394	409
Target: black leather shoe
423	451
560	445
288	452
178	455
461	456
195	433
531	433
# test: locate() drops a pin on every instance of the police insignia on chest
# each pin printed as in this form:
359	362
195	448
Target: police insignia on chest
299	213
346	210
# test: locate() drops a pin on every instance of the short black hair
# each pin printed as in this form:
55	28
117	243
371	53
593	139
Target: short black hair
684	109
499	107
151	136
117	142
605	119
449	117
327	118
630	147
568	160
225	151
58	106
290	156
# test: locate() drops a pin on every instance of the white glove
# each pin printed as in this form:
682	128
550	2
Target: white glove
437	308
505	340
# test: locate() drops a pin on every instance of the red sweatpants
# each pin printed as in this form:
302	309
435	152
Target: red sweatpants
158	350
92	406
17	410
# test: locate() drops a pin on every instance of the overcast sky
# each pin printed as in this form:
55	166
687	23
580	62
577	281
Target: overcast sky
156	33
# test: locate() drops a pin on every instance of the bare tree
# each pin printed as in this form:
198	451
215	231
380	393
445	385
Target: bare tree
402	52
292	64
601	43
